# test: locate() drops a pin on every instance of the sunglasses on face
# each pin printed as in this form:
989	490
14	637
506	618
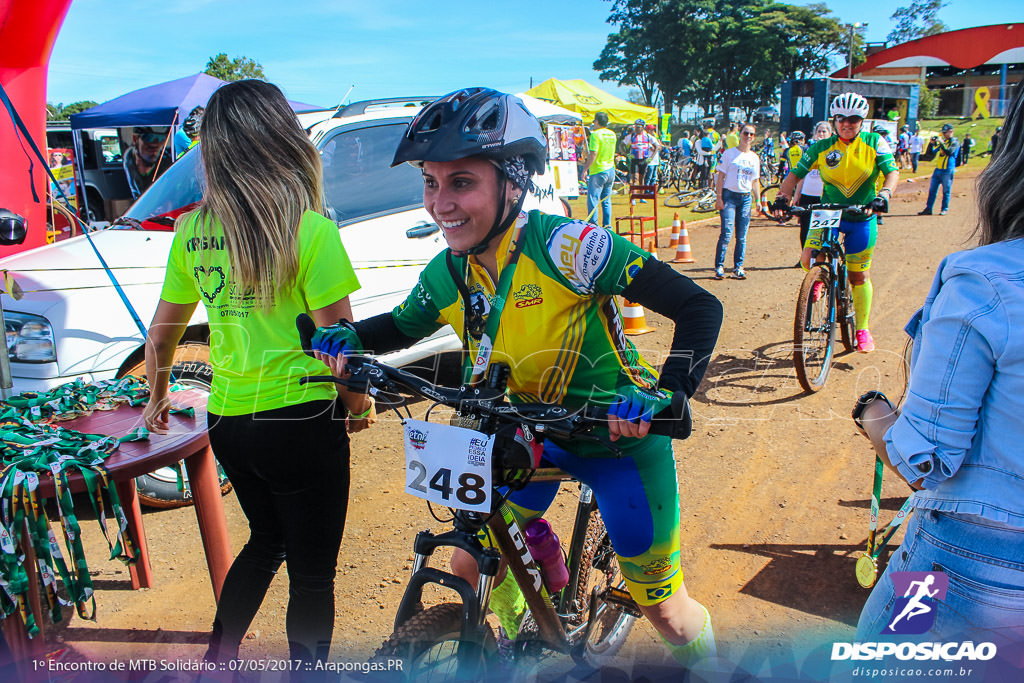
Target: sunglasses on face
151	137
849	119
747	133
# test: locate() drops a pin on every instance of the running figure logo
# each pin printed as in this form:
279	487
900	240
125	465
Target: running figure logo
915	611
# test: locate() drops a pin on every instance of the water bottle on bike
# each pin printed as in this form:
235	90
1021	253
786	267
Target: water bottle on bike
547	552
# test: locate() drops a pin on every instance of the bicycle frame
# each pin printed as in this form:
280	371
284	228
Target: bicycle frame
548	613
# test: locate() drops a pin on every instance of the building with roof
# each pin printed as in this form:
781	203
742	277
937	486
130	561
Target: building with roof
957	64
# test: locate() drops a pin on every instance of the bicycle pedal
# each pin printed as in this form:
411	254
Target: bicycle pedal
621	600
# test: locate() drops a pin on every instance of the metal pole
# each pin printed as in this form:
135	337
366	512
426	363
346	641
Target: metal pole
849	64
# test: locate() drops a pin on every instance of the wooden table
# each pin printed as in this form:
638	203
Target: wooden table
188	440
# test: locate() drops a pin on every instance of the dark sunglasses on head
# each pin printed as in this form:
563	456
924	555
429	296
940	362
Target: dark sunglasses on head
849	119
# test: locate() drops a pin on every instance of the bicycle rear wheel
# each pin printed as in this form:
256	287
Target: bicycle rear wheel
429	646
813	332
599	570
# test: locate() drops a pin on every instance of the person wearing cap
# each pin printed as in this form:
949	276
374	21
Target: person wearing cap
149	156
946	148
478	150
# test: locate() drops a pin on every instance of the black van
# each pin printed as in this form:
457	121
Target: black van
104	180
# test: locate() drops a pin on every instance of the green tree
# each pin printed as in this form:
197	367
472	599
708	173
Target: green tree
58	112
928	101
220	66
917	20
722	52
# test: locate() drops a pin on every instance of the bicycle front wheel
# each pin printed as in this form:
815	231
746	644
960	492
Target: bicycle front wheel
429	647
845	320
681	199
813	330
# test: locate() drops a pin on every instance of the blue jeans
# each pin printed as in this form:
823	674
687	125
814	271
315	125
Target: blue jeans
984	561
914	157
599	189
942	177
735	215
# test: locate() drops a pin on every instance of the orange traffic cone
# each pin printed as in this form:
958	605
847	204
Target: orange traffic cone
633	321
651	248
674	242
683	253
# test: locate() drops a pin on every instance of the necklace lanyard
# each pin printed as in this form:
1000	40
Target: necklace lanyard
867	563
486	345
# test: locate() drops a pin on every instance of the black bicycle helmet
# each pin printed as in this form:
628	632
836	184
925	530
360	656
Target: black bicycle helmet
796	136
474	122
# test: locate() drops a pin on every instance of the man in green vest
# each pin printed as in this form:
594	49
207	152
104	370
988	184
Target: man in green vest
600	170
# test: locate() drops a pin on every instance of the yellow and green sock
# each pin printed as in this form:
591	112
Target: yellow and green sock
698	648
509	605
862	305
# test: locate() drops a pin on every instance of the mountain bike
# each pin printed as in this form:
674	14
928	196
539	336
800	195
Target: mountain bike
701	192
821	308
589	619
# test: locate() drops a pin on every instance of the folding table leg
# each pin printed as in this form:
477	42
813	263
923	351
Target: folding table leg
202	477
141	571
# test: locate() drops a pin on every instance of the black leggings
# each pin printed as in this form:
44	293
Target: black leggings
290	472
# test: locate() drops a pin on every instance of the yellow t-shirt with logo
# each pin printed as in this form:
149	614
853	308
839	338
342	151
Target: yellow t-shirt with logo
254	351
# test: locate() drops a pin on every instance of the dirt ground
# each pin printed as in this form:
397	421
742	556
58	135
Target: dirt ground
775	483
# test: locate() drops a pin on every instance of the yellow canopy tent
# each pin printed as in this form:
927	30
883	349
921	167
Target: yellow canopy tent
579	96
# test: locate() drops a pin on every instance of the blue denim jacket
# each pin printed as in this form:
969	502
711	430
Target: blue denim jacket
962	425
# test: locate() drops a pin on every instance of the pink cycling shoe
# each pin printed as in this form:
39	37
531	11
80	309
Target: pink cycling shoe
865	344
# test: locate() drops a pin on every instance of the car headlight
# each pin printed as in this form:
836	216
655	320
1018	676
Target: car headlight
29	338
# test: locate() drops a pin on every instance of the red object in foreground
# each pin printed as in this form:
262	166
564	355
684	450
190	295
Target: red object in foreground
188	440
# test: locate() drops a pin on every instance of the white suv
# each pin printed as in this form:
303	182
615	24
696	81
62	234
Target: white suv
72	323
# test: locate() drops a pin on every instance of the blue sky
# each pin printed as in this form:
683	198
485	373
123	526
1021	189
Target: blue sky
317	49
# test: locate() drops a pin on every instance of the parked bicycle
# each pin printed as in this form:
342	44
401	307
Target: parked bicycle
825	301
501	445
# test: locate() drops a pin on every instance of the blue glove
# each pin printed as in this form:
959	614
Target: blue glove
338	338
635	403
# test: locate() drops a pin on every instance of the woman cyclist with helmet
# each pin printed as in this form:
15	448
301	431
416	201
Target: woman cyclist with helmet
478	149
849	162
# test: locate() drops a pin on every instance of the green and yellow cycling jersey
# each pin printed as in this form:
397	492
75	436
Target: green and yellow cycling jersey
848	170
561	329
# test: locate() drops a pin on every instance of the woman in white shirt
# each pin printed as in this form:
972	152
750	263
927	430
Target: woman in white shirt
736	183
808	190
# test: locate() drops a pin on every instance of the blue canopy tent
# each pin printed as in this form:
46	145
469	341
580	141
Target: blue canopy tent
164	104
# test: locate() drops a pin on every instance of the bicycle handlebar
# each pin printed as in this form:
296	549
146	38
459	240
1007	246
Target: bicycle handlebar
367	374
859	209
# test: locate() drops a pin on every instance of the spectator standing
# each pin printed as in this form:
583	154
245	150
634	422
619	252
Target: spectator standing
893	114
916	145
652	167
735	185
993	144
946	148
601	170
769	146
732	138
808	190
685	148
275	257
903	148
965	150
641	147
957	439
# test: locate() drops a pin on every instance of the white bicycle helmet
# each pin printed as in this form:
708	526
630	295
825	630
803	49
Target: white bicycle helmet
849	104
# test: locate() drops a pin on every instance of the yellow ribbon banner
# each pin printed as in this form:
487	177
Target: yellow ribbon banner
981	97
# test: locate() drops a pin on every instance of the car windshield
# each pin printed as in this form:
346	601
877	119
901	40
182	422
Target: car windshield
358	178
